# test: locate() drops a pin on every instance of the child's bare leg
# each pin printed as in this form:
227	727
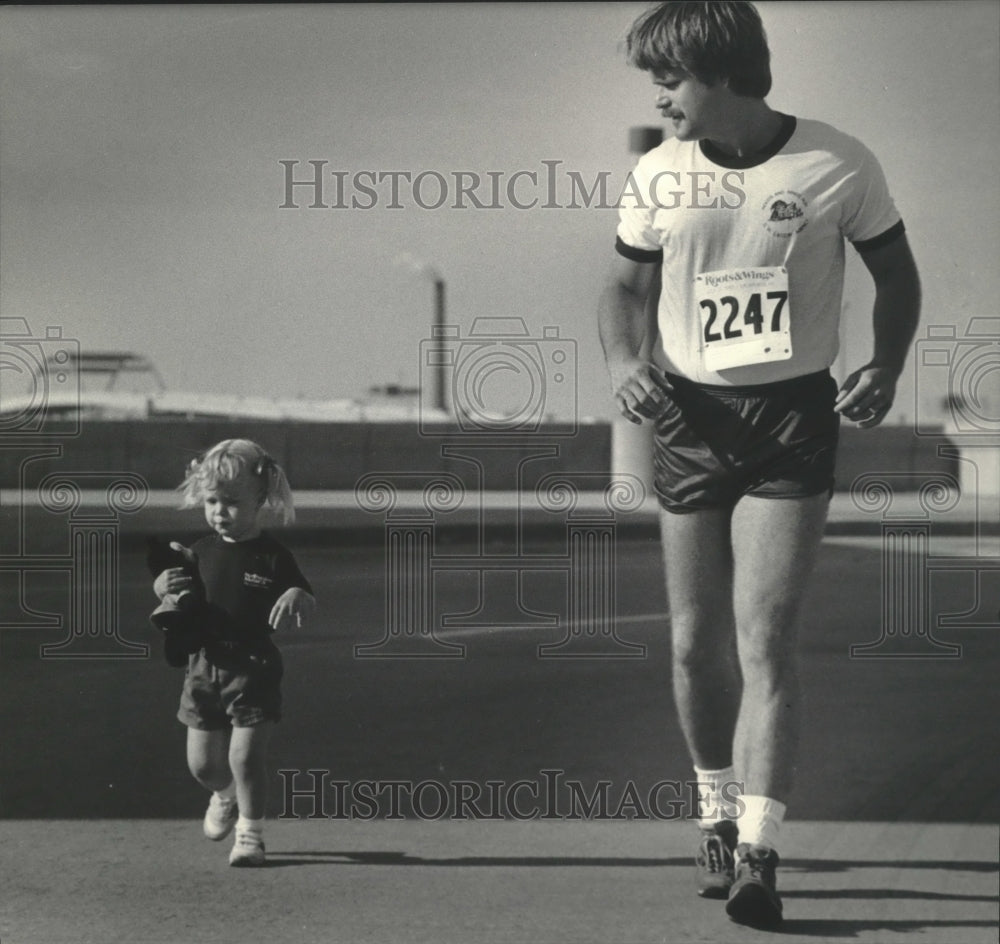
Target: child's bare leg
208	758
248	762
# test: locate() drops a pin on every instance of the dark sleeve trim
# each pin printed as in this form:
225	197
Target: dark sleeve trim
883	239
637	255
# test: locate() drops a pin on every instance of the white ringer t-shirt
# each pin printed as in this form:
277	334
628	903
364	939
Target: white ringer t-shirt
753	250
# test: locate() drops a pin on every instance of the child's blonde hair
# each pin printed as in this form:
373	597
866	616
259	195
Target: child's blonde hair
230	460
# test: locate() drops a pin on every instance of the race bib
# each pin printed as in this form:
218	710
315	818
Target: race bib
745	316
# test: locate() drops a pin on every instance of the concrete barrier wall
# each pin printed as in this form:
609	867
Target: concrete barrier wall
316	456
334	456
895	449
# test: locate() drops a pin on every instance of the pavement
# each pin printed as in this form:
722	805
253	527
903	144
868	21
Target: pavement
159	882
893	826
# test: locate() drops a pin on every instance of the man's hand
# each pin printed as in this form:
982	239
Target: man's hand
867	395
640	389
295	604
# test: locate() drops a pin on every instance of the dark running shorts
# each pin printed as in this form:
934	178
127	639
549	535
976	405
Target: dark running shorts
240	692
715	444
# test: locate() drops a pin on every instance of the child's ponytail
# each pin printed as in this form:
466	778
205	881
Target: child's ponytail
227	461
277	492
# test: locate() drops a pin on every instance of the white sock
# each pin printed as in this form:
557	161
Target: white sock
227	793
760	821
245	825
713	792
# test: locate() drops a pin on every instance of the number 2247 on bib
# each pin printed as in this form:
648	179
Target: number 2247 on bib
745	316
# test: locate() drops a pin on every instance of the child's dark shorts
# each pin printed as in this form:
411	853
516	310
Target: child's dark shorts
715	444
237	691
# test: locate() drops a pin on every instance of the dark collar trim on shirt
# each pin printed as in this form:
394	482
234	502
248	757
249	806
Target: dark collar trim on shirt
716	156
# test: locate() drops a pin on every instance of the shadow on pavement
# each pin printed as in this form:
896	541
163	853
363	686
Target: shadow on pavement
280	859
829	929
882	894
846	865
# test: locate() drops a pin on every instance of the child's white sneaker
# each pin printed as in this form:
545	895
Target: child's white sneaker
248	850
220	817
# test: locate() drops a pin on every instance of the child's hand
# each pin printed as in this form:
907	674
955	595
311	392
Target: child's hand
174	581
294	604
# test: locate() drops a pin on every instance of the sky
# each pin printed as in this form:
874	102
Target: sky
142	183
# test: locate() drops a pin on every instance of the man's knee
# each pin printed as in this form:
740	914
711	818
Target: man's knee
699	645
768	653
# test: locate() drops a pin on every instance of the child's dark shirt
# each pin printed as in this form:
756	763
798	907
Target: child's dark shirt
243	580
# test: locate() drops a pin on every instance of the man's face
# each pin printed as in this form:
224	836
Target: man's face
695	109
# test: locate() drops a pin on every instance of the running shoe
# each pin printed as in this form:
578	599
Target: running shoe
248	850
714	859
220	817
753	899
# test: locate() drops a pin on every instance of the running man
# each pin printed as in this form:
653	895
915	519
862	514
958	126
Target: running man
739	221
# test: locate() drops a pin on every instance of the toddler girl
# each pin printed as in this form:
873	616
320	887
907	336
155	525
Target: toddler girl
247	586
